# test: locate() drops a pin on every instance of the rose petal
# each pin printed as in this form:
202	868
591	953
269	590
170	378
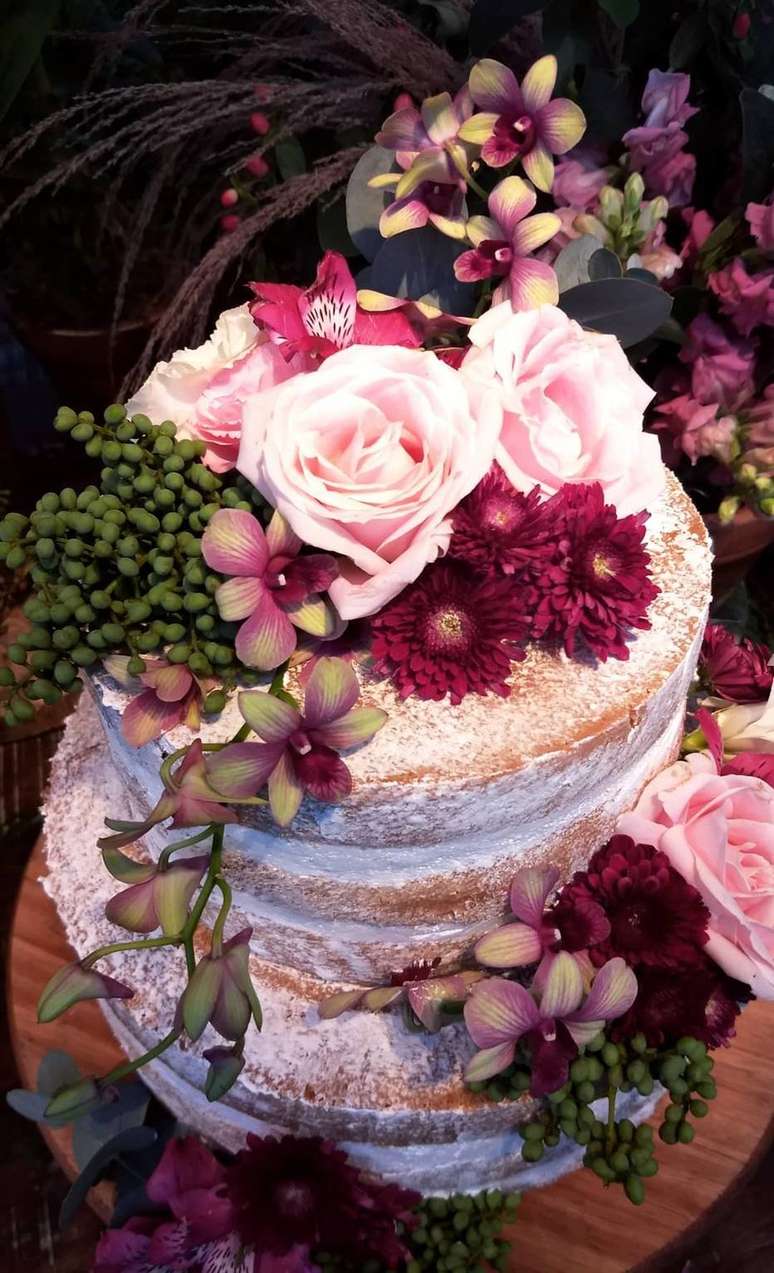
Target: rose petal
499	1011
512	946
267	638
268	716
331	691
234	543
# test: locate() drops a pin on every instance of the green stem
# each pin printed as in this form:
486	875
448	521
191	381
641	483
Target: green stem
479	190
147	943
204	896
129	1067
166	853
220	922
278	679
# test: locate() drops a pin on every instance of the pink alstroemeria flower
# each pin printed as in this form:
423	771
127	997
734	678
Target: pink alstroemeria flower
173	696
311	324
274	589
521	121
502	244
428	147
188	799
299	752
157	896
537	929
554	1020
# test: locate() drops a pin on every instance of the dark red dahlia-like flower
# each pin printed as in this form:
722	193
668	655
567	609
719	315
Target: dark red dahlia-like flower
599	587
579	921
735	670
701	1002
451	632
290	1192
656	917
497	528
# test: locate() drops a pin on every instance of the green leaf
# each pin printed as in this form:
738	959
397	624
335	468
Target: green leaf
130	1140
622	307
21	38
364	204
572	264
290	157
490	20
623	12
604	264
420	265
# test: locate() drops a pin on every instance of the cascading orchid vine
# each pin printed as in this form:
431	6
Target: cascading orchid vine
173	695
538	929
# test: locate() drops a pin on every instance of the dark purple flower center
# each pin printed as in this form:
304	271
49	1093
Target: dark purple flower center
436	196
294	1199
449	630
633	926
518	132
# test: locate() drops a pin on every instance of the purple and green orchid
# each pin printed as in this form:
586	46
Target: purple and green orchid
425	996
75	984
273	589
521	121
189	799
428	146
537	929
158	895
503	243
299	752
172	696
553	1019
220	991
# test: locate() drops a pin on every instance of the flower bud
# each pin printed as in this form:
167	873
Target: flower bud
404	101
161	900
728	508
767	507
633	192
229	197
259	123
257	166
587	224
611	203
221	992
226	1064
75	1099
75	984
229	224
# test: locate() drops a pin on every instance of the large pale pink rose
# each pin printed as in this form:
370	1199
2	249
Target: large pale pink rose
718	832
571	405
366	457
204	390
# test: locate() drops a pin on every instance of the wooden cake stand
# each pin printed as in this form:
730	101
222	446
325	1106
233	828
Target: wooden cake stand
572	1225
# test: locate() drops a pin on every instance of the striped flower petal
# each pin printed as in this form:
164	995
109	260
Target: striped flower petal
351	730
200	996
511	201
612	993
267	638
512	946
494	87
171	682
281	539
563	990
314	615
134	909
439	118
478	128
237	598
489	1062
402	215
530	890
147	717
532	283
241	769
285	792
337	1003
452	226
403	130
539	166
561	125
499	1011
268	716
173	890
531	233
483	229
331	691
234	543
469	267
539	83
429	165
499	149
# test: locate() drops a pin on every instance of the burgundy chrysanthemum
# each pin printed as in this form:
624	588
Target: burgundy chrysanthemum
451	633
700	1002
293	1192
579	921
497	528
736	670
656	918
598	587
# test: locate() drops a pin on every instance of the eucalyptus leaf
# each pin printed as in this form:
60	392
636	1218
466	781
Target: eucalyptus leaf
604	264
490	20
131	1140
290	158
365	205
622	307
420	265
757	143
623	12
30	1105
572	264
644	276
57	1069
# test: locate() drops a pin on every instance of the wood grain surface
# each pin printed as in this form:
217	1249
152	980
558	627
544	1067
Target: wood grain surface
574	1226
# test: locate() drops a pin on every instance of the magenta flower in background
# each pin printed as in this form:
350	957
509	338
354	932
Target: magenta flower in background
274	590
738	671
760	218
553	1021
747	299
759	432
722	365
696	428
173	696
220	991
502	247
656	146
299	752
700	226
309	324
428	146
578	181
157	897
537	929
521	121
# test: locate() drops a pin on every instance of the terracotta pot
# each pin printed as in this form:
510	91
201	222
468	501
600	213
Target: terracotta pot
736	545
83	367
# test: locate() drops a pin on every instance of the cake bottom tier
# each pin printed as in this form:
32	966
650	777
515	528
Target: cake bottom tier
393	1099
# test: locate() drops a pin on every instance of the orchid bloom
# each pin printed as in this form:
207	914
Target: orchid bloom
553	1020
312	323
757	764
521	121
424	995
75	984
428	147
273	589
173	696
157	896
299	752
537	930
220	991
188	799
502	244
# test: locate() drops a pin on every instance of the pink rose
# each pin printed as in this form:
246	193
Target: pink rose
722	366
747	299
718	831
760	218
571	405
204	390
367	457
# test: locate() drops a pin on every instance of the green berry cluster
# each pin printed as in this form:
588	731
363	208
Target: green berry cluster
118	566
460	1234
616	1151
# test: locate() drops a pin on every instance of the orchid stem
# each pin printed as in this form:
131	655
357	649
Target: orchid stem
213	871
129	1067
479	190
278	679
166	853
220	922
147	943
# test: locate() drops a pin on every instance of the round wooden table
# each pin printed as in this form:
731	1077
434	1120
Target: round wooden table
573	1225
